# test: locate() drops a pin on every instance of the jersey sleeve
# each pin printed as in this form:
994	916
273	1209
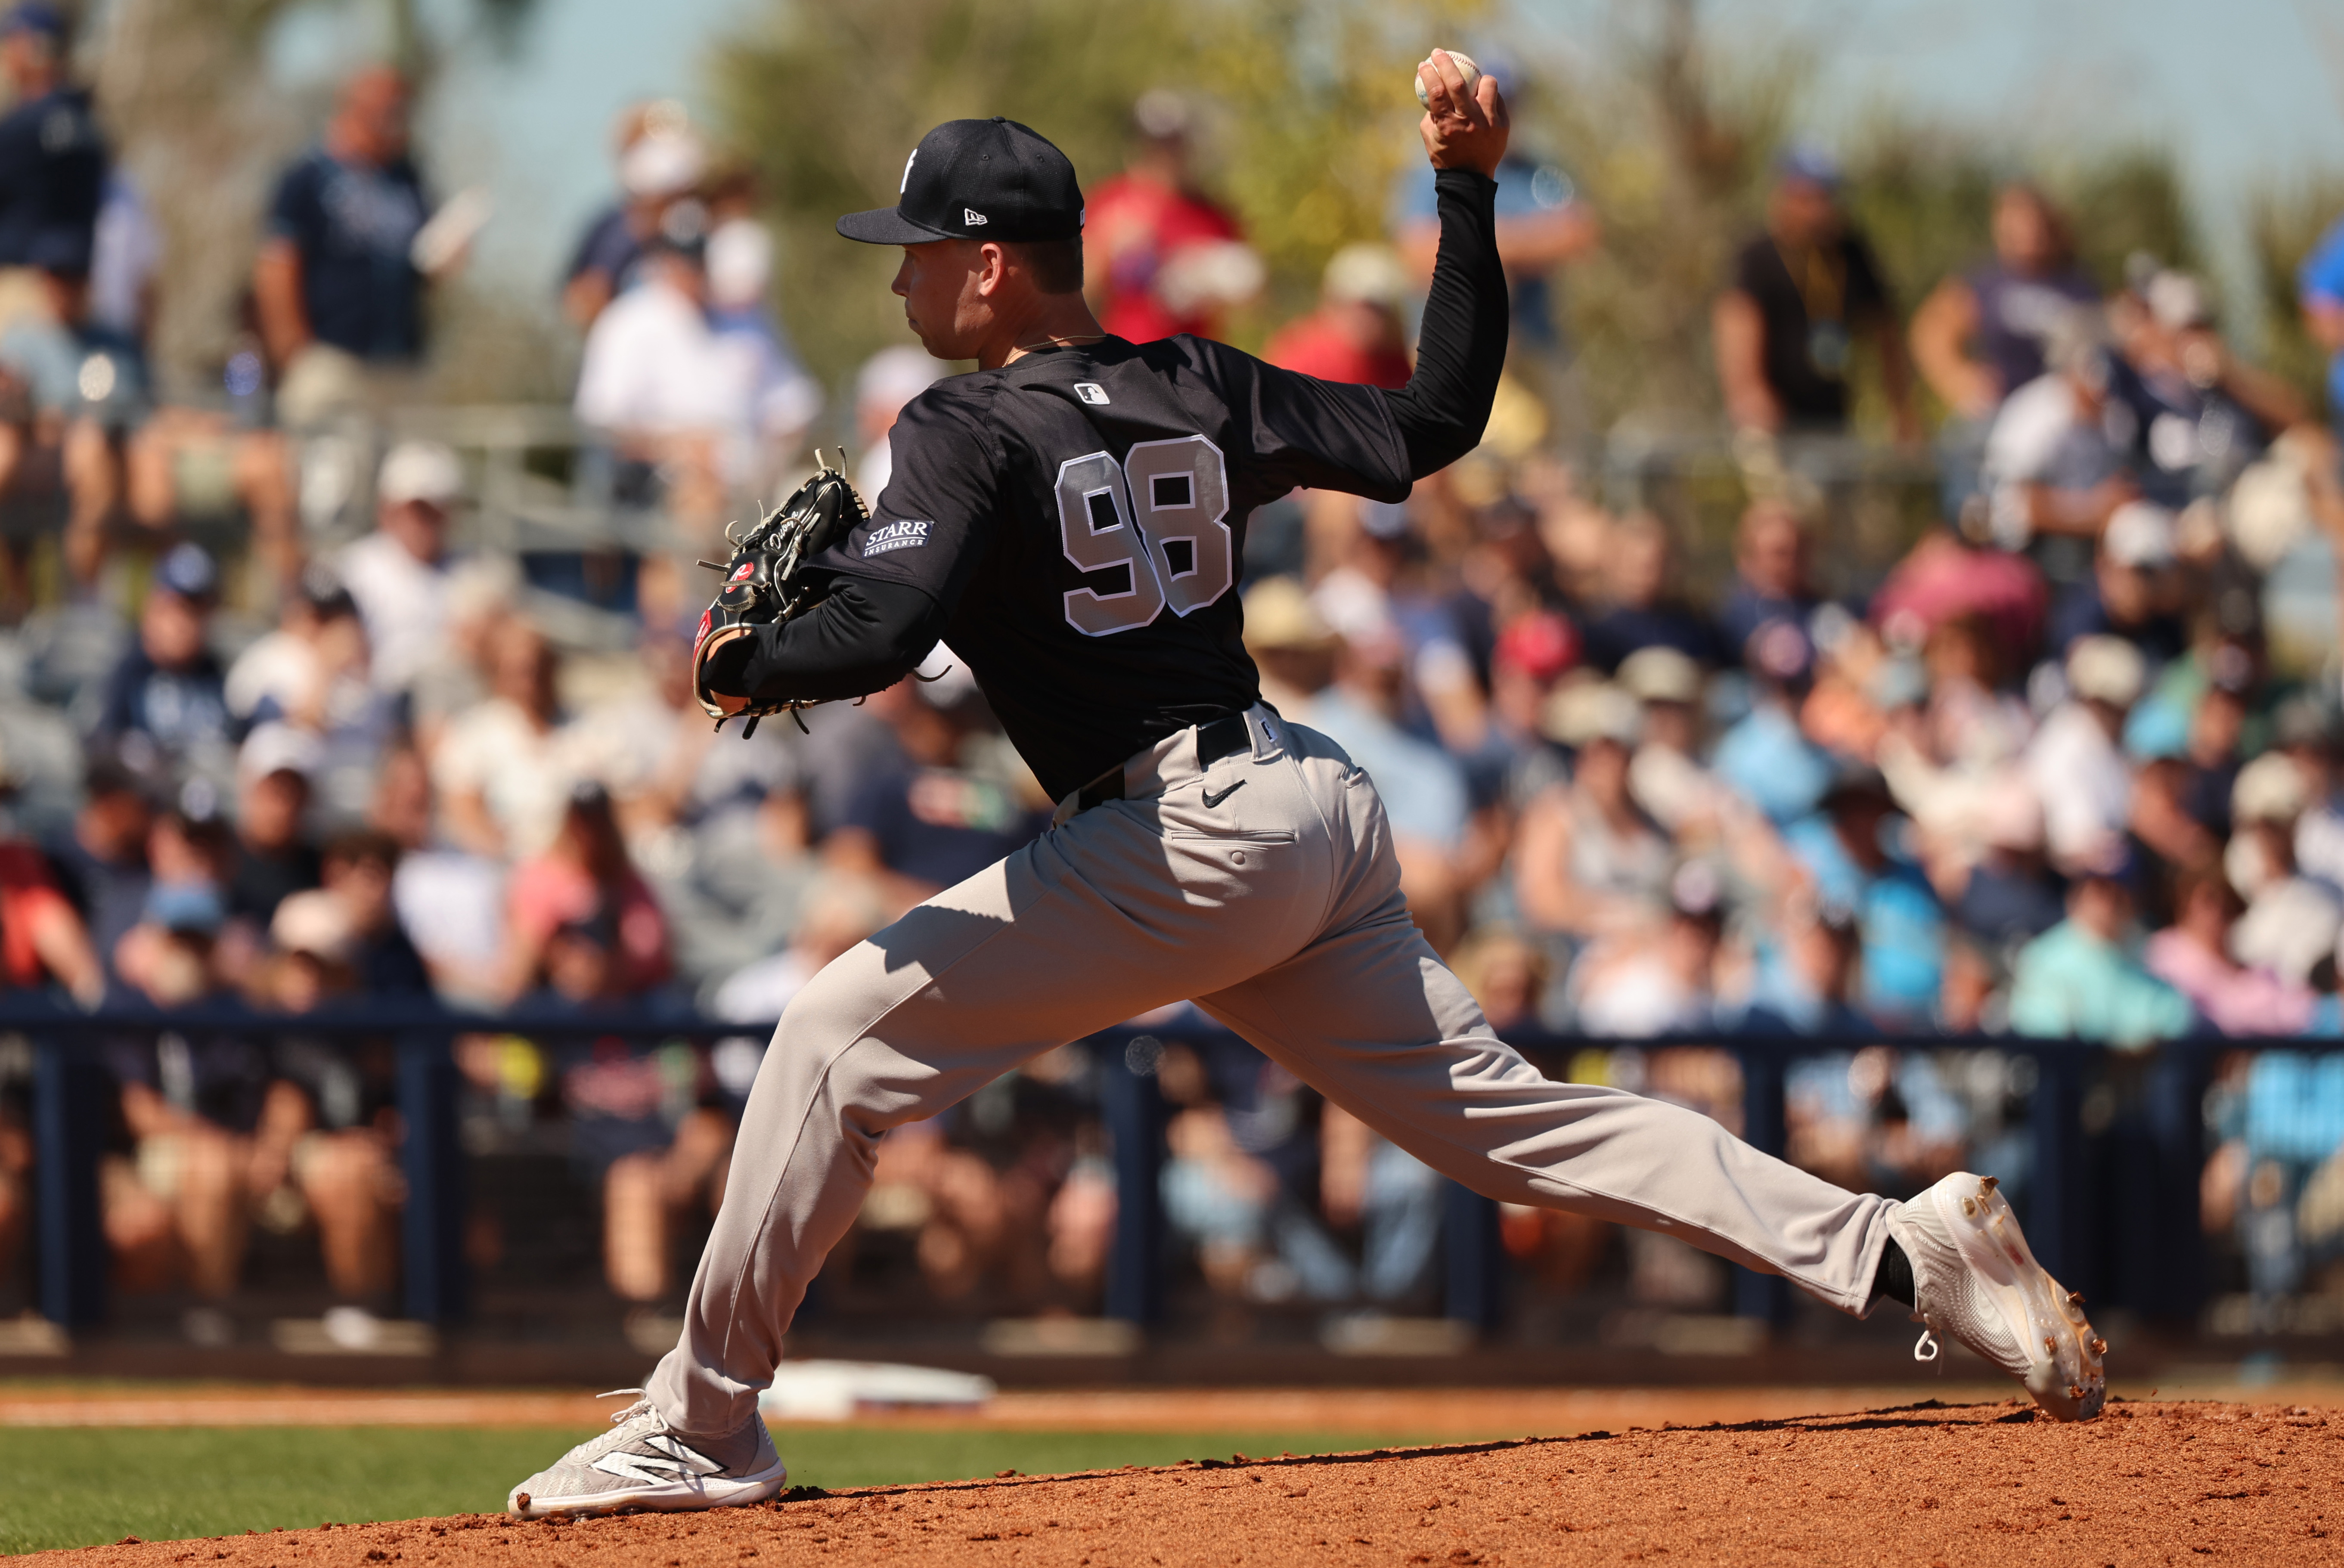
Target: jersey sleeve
1301	431
930	528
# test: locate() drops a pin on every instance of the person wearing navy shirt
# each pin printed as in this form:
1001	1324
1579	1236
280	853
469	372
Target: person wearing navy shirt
166	705
52	158
336	268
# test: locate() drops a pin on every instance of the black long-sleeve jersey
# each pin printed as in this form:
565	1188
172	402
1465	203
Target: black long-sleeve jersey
1072	523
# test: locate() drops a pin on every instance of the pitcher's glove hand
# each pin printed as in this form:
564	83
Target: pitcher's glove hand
762	587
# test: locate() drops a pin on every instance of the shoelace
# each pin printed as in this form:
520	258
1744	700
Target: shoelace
1925	1348
641	1403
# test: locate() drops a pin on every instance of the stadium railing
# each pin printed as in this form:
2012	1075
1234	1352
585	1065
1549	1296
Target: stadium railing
2148	1249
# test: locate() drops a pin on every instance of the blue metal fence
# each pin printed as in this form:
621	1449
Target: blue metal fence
2115	1209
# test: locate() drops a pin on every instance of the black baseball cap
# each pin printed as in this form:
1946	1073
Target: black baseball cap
978	179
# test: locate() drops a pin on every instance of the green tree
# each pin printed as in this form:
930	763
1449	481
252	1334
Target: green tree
1306	106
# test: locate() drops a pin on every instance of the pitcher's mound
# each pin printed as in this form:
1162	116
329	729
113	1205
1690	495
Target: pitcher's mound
1925	1485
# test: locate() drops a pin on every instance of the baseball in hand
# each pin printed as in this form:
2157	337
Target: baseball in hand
1464	63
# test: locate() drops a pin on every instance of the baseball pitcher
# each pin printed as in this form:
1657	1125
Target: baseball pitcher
1070	519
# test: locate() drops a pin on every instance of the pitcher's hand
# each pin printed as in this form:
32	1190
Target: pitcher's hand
1461	129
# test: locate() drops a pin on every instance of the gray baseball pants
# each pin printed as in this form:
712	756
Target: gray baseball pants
1279	909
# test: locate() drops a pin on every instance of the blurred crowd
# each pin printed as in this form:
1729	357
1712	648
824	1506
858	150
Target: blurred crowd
2073	766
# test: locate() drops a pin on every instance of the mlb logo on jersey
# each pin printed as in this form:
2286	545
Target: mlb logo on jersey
895	536
1090	392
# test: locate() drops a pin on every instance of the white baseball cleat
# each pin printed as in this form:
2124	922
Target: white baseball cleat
642	1464
1974	1279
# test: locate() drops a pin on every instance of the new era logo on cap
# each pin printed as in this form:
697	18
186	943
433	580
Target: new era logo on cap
991	177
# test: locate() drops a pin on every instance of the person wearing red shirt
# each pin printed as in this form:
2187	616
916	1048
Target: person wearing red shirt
1159	259
1355	335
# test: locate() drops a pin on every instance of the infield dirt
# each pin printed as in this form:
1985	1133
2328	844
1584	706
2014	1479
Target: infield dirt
2149	1483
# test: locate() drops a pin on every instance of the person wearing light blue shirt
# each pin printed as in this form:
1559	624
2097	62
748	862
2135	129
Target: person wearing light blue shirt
2321	287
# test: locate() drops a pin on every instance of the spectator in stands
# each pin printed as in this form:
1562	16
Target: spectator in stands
772	398
658	388
102	861
1422	786
2057	463
53	166
337	285
648	378
2074	764
2081	979
359	870
2134	590
1660	981
53	173
659	159
1588	862
839	912
1808	986
887	381
1356	334
1845	851
1159	258
1642	607
399	573
1981	335
42	941
1802	293
274	856
1291	643
2203	413
1770	577
584	890
166	709
505	770
648	1193
2192	957
942	819
2292	921
2319	289
1543	225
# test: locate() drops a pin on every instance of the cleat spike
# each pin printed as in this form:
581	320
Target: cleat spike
2074	1298
2099	1347
1987	1184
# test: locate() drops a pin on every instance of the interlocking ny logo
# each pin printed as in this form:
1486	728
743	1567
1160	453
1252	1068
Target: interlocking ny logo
971	217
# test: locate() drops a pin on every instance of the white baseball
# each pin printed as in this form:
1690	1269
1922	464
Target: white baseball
1464	63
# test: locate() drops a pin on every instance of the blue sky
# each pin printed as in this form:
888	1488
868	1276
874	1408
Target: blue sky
2251	91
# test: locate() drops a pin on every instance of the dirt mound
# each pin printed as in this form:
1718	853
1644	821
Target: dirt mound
1930	1484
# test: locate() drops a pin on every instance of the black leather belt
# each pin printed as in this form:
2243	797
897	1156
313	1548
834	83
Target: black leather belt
1223	737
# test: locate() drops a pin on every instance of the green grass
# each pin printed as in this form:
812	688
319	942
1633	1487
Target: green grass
80	1486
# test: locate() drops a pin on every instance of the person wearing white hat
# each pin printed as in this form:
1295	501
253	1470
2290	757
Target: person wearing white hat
2074	763
399	573
658	158
2134	591
1356	334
